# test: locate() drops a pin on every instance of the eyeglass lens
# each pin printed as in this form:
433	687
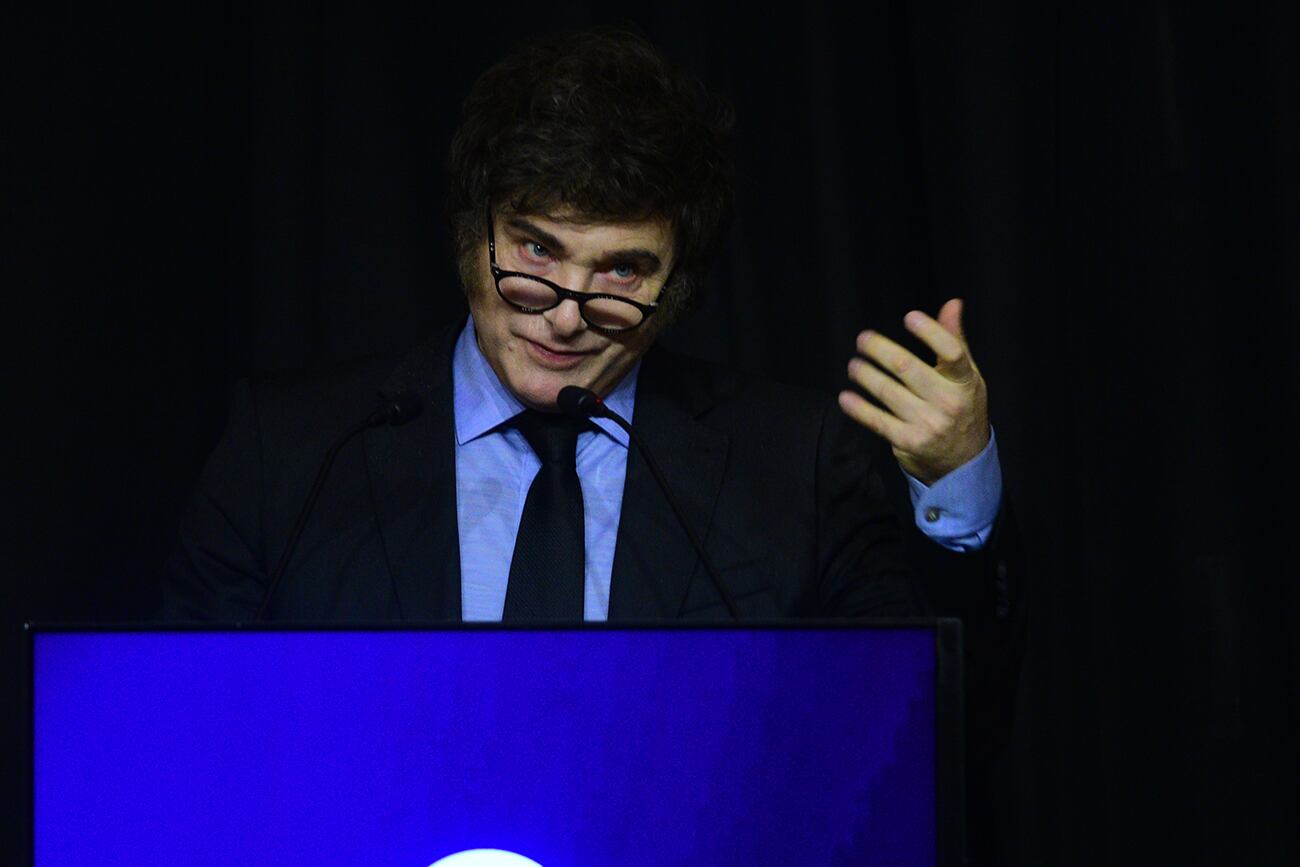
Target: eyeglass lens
534	297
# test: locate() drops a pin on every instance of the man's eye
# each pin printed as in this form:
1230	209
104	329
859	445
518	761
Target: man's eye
536	250
623	272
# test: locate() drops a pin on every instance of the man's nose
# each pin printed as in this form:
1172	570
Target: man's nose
566	318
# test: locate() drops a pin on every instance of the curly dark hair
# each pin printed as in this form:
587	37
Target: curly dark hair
598	123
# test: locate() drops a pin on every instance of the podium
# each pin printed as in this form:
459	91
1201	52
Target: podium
599	744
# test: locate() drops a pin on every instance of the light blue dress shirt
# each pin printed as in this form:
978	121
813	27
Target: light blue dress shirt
495	467
958	511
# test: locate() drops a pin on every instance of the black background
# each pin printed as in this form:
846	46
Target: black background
204	191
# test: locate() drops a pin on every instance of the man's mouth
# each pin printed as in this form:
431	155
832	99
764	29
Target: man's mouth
558	359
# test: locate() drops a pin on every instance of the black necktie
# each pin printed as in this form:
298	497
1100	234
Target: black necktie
548	567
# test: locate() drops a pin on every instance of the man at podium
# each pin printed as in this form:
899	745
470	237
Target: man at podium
589	188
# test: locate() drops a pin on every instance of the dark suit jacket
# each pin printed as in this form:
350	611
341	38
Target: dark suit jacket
789	497
786	493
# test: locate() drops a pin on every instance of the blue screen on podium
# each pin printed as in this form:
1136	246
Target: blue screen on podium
569	747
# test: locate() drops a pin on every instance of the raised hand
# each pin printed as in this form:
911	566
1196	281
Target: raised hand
936	416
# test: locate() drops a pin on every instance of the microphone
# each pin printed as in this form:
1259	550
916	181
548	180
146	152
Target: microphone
582	403
392	411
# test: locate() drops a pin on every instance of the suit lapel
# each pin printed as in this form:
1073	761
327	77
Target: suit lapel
413	485
654	561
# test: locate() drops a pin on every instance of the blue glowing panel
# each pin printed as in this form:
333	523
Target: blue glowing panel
571	747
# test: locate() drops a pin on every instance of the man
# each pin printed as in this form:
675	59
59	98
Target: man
589	189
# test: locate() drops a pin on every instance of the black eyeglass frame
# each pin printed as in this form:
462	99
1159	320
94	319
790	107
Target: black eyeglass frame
562	294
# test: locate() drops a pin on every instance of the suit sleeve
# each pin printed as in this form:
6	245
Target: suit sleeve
877	563
862	569
217	571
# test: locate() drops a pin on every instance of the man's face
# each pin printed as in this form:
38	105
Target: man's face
535	355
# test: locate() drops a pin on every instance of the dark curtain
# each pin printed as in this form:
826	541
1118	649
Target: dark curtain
212	190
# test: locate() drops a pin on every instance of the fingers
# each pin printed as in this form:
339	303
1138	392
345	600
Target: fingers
945	337
950	317
874	419
919	377
947	347
894	395
936	417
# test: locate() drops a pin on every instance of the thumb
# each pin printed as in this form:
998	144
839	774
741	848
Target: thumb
950	318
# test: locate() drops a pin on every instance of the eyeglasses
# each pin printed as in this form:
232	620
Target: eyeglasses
527	293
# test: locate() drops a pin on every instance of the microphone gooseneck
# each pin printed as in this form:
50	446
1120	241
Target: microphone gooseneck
393	411
583	403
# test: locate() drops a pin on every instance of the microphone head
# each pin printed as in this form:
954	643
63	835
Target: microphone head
578	402
401	409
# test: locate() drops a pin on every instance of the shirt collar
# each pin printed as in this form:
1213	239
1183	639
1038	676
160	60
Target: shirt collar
481	403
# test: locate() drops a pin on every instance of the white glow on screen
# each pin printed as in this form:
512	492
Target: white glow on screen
485	858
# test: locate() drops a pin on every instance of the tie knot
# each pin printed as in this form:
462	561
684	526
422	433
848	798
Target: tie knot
553	437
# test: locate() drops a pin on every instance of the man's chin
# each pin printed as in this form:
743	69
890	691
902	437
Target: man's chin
540	395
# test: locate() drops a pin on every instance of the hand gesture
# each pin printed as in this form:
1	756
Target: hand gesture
935	417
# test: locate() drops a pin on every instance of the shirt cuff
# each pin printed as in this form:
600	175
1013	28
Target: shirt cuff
958	510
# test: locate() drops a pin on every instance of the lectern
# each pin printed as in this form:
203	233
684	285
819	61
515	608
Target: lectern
792	743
